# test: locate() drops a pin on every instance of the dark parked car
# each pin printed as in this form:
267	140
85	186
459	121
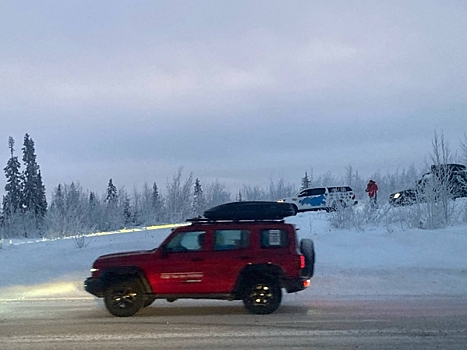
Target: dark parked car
451	178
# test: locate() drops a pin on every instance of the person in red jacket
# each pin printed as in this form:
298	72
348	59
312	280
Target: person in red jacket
372	189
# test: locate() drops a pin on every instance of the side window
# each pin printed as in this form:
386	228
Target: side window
186	242
273	238
231	239
316	191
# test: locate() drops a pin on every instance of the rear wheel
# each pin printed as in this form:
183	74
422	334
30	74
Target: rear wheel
124	298
262	297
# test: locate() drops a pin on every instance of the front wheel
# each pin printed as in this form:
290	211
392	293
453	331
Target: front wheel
263	297
124	298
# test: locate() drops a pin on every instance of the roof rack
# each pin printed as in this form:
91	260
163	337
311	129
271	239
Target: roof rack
202	220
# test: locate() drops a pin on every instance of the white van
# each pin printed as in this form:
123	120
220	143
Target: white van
322	198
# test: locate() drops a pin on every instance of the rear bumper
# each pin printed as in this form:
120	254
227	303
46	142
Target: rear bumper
94	286
296	284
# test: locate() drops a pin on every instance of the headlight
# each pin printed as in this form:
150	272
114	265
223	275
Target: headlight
397	195
281	201
94	270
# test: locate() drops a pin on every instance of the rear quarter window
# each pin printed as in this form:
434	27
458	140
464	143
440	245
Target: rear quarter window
339	189
273	238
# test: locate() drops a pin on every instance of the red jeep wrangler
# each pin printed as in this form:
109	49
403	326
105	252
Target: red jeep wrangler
249	260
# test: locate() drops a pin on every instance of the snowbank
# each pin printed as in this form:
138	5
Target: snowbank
372	264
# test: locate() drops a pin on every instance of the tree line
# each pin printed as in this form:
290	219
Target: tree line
24	206
74	210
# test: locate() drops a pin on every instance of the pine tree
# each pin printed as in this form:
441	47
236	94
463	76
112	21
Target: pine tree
305	182
58	199
155	197
34	198
127	217
13	198
112	196
113	214
198	198
94	212
156	203
41	209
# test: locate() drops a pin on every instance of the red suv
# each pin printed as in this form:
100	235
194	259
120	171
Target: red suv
249	260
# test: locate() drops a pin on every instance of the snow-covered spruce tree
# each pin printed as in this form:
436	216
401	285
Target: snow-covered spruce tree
94	216
14	222
199	204
56	213
151	211
157	204
12	201
126	209
113	217
34	198
179	198
306	183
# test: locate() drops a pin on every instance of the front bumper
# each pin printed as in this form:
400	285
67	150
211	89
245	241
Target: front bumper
94	286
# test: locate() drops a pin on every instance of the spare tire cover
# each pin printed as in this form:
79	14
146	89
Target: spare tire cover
307	248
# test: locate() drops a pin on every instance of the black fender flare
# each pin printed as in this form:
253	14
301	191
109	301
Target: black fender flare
255	272
114	274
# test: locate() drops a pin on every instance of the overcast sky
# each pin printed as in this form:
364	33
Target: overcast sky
242	92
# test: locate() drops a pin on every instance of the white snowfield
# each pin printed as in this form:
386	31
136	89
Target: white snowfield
349	264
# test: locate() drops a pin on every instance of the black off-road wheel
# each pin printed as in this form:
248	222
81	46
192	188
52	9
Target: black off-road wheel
262	297
124	298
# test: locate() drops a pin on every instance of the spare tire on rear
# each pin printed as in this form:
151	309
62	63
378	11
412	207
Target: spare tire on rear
250	210
307	248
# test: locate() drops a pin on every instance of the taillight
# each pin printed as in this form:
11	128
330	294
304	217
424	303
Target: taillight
302	261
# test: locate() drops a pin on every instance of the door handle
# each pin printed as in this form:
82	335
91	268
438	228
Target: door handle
244	257
197	259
